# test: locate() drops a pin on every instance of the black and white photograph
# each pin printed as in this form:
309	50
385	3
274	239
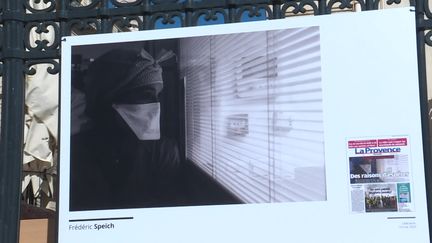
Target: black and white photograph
211	120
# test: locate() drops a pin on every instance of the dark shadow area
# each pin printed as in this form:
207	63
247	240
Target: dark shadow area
116	163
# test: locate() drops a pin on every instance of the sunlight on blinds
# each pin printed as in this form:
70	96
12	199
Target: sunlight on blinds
254	113
198	109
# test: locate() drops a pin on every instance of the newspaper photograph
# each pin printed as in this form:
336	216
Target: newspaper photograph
379	175
380	198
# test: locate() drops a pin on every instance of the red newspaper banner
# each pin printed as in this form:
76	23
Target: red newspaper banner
362	143
389	142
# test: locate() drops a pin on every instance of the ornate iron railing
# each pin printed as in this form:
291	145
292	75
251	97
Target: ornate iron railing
19	53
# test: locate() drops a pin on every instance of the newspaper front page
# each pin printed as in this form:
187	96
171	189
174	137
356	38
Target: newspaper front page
379	175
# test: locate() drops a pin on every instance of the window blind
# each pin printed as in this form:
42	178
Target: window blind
296	106
254	113
197	74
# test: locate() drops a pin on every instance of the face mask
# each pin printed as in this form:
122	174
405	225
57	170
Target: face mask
143	119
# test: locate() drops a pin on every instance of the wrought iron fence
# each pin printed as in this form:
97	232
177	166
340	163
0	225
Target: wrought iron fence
53	19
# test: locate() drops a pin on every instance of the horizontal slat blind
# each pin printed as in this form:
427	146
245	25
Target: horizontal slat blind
239	91
254	113
296	106
195	55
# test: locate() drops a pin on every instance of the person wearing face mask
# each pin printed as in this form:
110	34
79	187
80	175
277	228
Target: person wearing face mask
123	160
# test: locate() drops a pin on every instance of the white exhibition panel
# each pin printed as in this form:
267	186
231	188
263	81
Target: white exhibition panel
369	91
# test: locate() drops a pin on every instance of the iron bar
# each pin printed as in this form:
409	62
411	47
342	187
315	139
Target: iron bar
12	132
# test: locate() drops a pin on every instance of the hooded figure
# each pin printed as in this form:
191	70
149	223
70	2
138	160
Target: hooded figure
123	161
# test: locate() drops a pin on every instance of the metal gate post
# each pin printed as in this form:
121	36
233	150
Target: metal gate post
421	25
12	120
